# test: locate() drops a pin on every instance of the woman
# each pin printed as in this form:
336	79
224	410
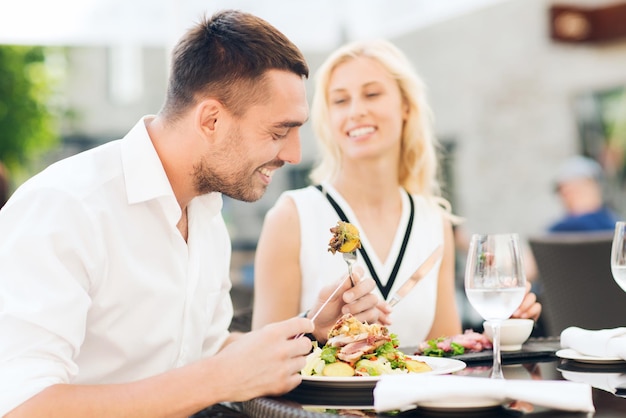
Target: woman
379	167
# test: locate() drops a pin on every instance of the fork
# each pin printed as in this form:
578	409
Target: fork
332	295
350	259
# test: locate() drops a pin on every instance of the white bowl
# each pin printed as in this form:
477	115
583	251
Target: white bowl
513	333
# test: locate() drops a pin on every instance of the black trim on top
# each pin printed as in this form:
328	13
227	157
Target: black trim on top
392	277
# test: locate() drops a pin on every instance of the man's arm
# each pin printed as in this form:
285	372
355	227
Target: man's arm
263	362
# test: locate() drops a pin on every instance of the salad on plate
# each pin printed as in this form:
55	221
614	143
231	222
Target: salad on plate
356	348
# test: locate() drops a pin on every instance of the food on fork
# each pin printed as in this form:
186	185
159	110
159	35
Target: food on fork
345	238
356	348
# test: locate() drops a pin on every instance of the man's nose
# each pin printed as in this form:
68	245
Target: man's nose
292	150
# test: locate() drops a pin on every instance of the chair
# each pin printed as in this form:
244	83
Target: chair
576	284
242	297
242	320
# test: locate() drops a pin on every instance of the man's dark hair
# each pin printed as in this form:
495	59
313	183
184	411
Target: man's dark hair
226	57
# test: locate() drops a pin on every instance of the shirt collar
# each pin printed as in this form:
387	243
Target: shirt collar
145	176
143	171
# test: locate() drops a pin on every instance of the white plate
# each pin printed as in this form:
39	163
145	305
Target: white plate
570	354
439	365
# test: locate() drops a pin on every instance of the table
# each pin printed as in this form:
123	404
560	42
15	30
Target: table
536	361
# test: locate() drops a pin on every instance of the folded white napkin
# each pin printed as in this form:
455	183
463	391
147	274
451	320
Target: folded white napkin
400	392
609	382
596	343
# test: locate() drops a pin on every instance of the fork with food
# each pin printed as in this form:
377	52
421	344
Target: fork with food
345	240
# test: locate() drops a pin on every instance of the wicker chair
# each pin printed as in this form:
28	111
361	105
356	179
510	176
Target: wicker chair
576	284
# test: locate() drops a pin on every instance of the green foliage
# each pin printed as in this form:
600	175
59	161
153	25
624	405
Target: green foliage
27	123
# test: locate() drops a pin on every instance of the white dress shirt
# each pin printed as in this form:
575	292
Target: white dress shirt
97	285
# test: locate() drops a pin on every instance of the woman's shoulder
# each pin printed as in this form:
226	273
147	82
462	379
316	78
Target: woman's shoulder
437	207
297	201
305	195
425	203
303	191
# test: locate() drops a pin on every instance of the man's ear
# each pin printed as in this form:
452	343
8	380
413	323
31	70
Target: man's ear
207	114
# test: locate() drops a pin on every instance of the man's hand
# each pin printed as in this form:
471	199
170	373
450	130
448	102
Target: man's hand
264	362
358	301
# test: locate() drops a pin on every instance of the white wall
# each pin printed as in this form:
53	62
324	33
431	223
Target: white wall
503	90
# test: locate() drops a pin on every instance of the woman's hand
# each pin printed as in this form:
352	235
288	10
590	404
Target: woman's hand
529	308
357	300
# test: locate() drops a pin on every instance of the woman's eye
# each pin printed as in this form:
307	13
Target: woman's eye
373	94
338	101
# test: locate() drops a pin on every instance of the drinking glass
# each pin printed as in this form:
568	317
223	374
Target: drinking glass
495	283
618	255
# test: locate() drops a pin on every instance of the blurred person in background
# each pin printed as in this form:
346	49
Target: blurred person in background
578	184
114	263
379	165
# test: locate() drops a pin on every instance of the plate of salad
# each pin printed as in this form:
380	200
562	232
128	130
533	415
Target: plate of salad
357	354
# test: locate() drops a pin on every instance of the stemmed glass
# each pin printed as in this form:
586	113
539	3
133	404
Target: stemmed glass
495	283
618	255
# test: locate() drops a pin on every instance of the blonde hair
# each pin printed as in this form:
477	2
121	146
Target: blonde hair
418	169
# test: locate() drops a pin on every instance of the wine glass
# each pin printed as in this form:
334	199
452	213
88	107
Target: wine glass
495	283
618	255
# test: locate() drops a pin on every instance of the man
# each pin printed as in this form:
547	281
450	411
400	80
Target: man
114	287
578	186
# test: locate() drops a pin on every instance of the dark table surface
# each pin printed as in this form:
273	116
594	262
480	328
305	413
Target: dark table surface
536	360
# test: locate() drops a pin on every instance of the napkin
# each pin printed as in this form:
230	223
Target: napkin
400	392
596	343
609	382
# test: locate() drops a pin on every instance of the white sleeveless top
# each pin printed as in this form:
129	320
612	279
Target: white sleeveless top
413	316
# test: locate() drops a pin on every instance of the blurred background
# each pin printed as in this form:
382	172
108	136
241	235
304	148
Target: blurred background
517	87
